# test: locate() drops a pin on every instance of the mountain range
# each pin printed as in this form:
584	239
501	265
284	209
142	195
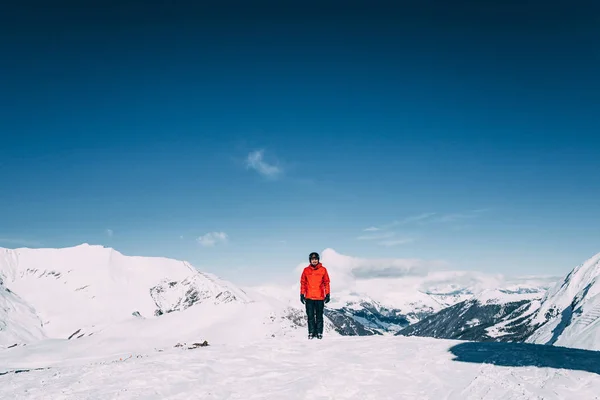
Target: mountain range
87	290
567	314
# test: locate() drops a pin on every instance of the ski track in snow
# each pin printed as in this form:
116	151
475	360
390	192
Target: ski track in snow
295	368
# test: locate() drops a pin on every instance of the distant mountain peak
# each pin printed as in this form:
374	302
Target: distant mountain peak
502	296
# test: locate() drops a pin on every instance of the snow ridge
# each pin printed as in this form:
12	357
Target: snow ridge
570	311
172	296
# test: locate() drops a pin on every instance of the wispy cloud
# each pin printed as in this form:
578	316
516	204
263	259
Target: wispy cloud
378	236
415	218
20	242
386	236
109	232
404	221
396	242
212	238
454	217
255	161
428	218
387	239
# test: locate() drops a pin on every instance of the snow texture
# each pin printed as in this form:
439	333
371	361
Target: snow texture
18	321
375	367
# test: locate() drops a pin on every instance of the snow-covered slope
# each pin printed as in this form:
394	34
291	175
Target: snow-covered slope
18	321
374	367
569	314
200	287
85	290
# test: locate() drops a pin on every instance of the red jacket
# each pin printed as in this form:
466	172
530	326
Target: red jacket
314	282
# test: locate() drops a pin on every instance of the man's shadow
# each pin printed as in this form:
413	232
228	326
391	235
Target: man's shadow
526	354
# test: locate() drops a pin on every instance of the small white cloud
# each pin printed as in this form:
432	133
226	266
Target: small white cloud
372	229
212	238
109	232
255	160
396	242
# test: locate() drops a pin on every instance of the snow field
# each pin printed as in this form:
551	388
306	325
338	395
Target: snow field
295	368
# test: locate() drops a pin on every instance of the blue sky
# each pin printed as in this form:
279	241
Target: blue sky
245	140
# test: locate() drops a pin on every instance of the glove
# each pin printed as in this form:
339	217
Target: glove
327	298
302	298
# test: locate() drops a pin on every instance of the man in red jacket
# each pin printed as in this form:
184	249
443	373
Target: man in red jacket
314	293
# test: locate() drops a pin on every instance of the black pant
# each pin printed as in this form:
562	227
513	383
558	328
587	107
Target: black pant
314	312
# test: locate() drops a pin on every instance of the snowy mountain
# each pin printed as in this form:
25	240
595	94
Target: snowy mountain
569	314
400	286
134	321
355	314
364	302
76	292
79	291
492	315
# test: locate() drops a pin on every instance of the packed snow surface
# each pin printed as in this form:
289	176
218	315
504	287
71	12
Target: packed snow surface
375	367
